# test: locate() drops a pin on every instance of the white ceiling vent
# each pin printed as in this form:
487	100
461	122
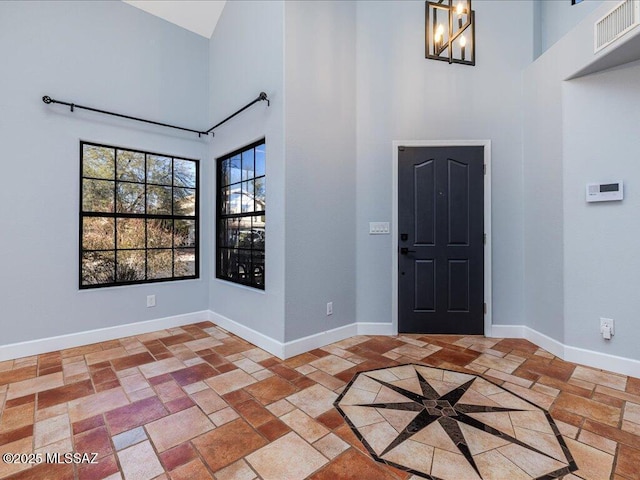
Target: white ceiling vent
616	23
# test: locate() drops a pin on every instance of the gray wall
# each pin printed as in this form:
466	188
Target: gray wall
602	267
106	54
320	76
246	57
542	173
403	96
575	132
557	18
348	97
543	178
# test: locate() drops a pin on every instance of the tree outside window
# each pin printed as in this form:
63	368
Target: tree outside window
138	216
241	216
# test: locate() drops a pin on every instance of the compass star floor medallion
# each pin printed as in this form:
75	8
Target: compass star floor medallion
446	425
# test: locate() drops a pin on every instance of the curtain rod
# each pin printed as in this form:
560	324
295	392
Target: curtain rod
262	97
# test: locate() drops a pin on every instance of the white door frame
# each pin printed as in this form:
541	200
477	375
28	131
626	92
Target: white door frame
487	221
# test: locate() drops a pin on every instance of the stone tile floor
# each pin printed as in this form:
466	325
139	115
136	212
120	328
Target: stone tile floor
199	403
450	425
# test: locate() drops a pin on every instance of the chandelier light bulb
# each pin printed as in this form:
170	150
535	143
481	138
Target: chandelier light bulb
443	33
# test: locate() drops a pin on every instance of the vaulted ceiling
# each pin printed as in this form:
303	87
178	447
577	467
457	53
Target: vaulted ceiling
198	16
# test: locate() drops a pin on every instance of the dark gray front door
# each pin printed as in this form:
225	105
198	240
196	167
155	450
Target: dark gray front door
441	240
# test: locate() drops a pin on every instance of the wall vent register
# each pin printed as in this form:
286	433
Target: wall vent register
619	21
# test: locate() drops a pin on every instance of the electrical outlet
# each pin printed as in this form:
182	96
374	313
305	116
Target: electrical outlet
330	308
607	327
151	300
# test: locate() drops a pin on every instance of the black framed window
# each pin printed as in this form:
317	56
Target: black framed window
138	216
240	255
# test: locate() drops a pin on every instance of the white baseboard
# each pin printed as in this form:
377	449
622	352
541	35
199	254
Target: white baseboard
287	349
371	328
261	340
590	358
521	331
549	344
275	347
317	340
52	344
507	331
603	361
304	344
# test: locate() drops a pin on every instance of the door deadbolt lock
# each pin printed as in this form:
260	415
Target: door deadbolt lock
404	237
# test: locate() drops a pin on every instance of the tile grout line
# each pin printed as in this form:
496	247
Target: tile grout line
175	354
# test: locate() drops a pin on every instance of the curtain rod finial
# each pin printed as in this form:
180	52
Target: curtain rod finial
46	99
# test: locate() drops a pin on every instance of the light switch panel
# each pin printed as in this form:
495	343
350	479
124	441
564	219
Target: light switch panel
378	228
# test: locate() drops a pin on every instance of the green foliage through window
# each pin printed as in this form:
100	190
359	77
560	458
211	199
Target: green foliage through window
138	218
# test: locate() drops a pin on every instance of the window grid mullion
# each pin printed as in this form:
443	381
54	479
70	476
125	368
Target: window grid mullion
115	210
223	248
141	230
128	181
138	215
146	233
173	222
242	215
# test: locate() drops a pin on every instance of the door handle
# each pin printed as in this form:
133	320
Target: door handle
405	251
